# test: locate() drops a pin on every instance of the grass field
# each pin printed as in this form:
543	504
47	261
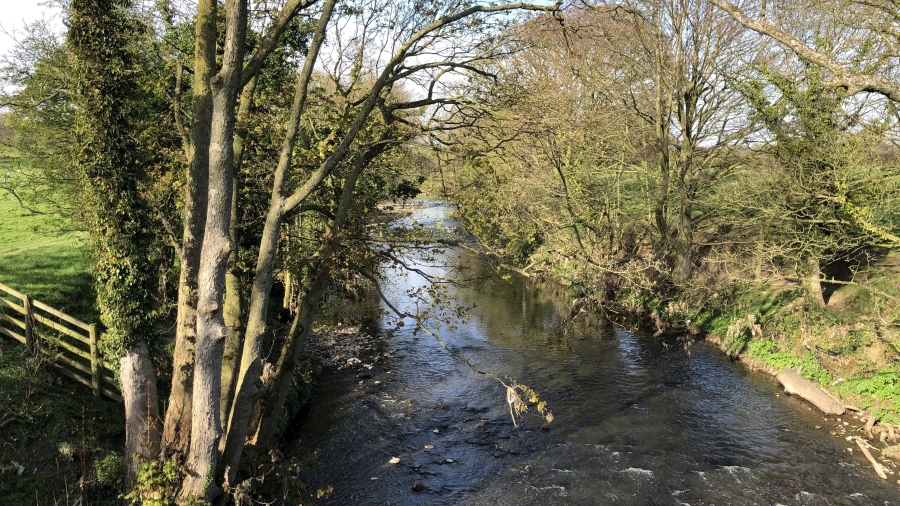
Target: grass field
59	444
38	259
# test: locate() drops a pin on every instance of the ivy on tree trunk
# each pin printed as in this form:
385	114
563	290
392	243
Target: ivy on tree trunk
113	169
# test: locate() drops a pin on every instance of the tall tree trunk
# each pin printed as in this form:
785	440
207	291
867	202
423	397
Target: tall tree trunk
206	426
265	419
662	199
247	386
177	427
663	163
234	341
288	289
814	282
278	386
142	423
684	265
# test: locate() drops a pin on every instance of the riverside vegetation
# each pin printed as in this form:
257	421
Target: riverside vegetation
712	168
59	443
738	191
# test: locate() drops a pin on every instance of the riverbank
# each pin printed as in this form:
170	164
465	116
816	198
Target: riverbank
850	348
62	446
756	314
765	320
851	353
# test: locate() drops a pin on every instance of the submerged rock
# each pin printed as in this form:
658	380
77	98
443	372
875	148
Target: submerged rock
794	384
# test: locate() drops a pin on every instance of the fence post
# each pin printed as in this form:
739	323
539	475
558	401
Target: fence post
95	360
29	325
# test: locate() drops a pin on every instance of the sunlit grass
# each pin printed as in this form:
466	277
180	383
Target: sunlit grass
38	259
52	426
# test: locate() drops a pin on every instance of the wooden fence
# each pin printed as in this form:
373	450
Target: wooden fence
70	343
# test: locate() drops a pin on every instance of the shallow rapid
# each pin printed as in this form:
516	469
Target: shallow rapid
638	420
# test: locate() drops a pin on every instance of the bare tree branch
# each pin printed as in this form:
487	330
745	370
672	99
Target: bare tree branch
843	77
270	40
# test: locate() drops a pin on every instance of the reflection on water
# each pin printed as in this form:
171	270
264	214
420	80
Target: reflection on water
638	421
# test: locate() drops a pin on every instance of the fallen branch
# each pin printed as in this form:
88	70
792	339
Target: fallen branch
868	455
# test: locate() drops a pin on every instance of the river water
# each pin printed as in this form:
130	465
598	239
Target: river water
638	420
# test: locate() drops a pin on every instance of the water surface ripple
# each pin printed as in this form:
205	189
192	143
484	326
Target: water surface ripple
639	420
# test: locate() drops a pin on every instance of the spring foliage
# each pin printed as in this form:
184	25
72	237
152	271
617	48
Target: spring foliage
110	100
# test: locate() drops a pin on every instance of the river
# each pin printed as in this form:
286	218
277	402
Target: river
638	420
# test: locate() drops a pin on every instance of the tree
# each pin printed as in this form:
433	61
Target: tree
113	168
826	197
848	77
38	78
325	166
414	30
685	53
633	96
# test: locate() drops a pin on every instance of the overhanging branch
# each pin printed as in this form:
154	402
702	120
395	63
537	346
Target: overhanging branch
843	78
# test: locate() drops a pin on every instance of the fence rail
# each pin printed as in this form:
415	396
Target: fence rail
70	343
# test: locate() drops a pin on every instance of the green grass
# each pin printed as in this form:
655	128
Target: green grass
38	259
65	441
770	353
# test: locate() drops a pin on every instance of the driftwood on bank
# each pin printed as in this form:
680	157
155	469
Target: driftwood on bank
875	464
794	384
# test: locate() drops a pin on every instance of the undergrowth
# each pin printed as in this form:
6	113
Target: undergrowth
56	439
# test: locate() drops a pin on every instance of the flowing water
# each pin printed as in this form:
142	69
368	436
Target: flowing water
638	420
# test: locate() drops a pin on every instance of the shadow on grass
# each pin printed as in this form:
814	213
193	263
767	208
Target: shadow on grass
55	432
57	275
